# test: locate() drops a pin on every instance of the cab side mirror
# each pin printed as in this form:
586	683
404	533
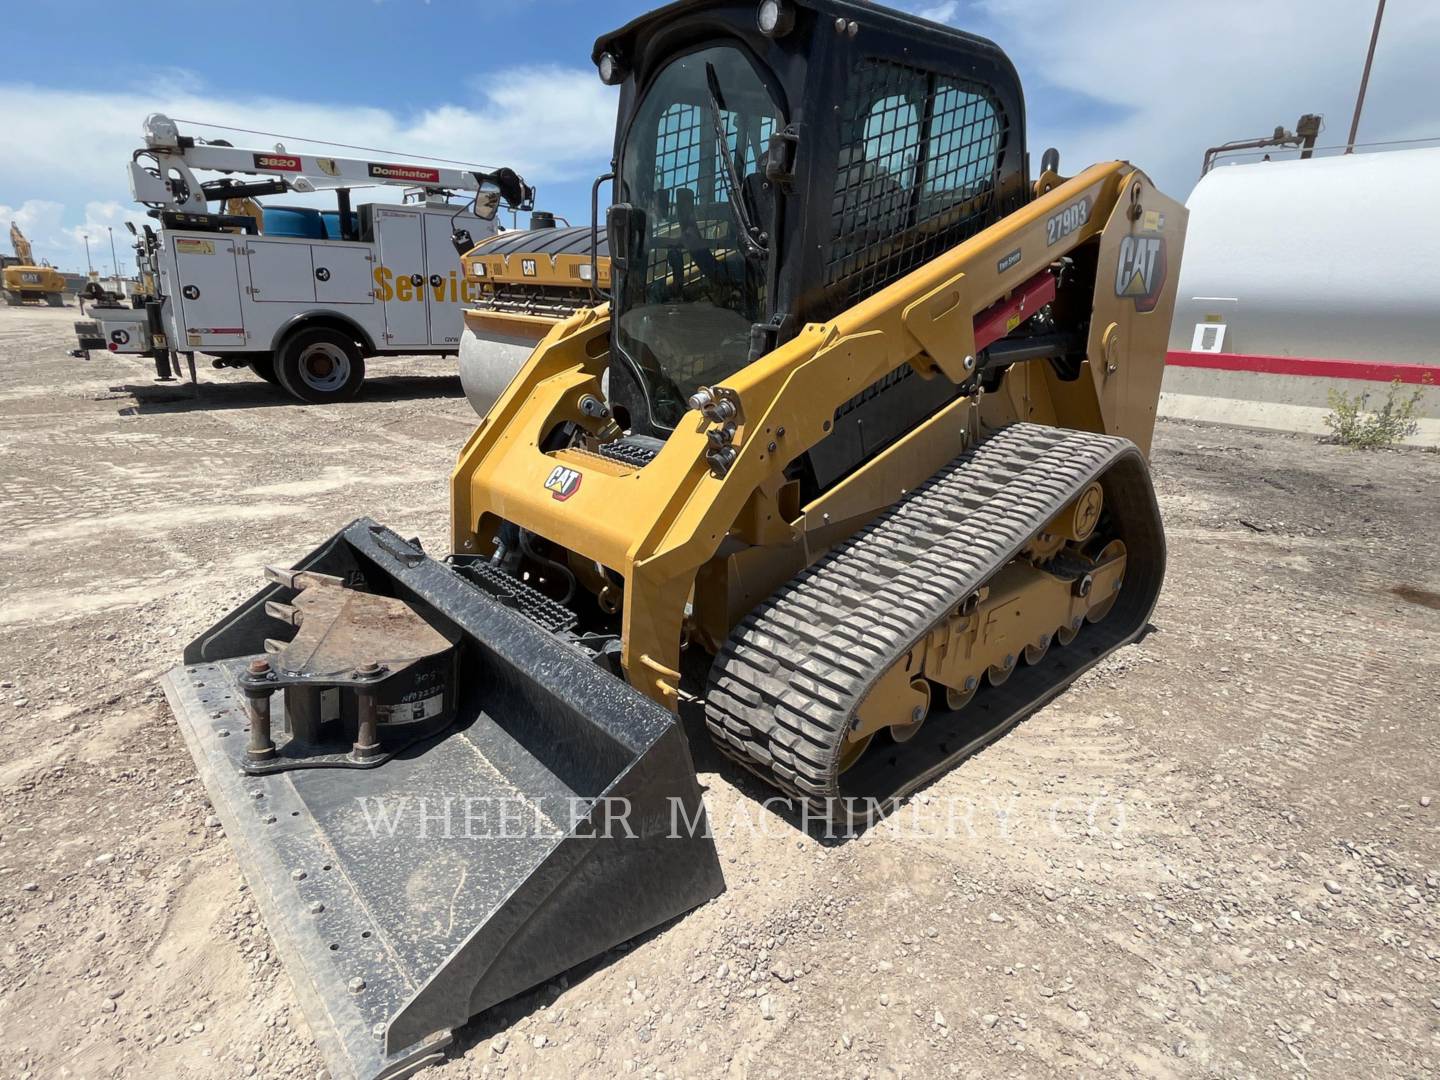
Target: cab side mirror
487	201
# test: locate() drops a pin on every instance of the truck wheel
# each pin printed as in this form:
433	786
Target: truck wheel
320	365
264	366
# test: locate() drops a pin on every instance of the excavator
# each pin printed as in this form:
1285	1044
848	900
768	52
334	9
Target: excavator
22	280
846	472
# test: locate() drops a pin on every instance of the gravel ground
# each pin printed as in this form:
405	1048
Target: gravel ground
1215	856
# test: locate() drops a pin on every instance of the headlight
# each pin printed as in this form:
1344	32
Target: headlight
477	269
587	272
775	18
611	71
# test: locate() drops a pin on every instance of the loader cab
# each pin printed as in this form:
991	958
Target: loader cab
775	165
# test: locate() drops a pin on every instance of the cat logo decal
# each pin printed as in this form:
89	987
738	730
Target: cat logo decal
563	482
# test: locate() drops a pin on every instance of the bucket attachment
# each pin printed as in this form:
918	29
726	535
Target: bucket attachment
438	803
364	677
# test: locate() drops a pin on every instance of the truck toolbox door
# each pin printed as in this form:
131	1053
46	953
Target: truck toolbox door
444	280
342	273
281	272
400	278
209	292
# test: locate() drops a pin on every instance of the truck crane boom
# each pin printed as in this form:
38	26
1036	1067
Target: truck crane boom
162	173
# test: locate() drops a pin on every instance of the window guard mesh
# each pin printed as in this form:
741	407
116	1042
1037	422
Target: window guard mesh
687	158
917	174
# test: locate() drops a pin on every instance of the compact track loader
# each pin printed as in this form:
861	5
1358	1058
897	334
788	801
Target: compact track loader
850	471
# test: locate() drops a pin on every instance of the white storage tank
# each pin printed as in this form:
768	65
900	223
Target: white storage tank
1303	276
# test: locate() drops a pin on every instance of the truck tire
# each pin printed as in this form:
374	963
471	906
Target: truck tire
320	365
263	365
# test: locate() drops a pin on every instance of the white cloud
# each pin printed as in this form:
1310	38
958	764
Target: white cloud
942	13
35	218
1154	83
33	215
1182	77
69	148
103	222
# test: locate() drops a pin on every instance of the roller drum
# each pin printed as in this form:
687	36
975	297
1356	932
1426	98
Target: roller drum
487	364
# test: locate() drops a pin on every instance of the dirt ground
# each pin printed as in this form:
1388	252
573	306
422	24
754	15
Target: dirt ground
1215	856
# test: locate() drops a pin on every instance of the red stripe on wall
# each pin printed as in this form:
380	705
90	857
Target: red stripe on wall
1311	366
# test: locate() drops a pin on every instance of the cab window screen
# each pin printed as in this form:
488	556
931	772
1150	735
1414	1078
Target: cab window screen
964	148
918	170
692	170
678	158
677	149
892	133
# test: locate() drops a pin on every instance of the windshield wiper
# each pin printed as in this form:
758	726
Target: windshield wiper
746	232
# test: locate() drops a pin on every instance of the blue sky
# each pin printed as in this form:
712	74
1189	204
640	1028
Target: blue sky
510	82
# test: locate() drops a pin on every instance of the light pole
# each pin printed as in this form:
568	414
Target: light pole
89	266
114	262
1365	77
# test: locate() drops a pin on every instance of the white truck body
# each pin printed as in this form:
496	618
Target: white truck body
402	289
400	286
122	330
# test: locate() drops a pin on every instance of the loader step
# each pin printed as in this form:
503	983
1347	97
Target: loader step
544	612
795	671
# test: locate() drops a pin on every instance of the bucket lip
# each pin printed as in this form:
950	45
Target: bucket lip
348	1043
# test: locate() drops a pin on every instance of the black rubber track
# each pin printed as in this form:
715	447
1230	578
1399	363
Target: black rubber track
785	686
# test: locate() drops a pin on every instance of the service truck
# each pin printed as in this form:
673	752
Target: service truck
299	294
